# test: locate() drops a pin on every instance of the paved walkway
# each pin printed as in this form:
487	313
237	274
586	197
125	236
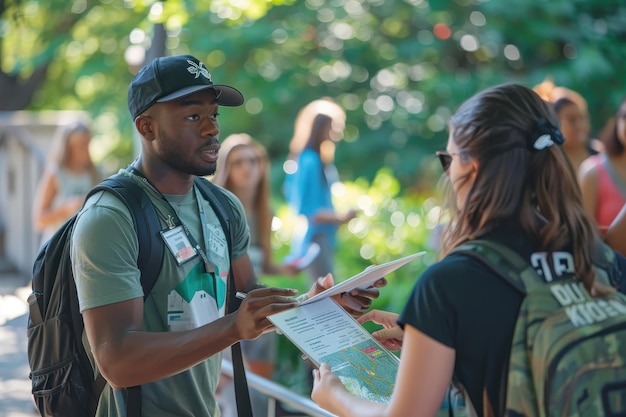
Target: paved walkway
15	397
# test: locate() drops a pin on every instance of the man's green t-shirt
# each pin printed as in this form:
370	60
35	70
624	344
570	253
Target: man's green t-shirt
104	259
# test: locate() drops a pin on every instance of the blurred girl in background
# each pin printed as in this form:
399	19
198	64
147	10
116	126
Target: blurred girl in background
243	169
68	176
603	176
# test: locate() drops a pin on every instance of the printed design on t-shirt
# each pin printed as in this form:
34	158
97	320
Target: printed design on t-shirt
194	302
562	265
217	241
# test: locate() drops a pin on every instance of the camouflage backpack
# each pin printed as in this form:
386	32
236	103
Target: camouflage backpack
568	356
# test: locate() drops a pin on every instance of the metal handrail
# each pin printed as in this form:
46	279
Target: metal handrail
276	392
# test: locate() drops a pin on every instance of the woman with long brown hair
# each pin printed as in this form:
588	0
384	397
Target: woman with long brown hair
243	169
510	183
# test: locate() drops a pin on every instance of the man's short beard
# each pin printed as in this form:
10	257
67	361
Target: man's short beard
207	173
171	156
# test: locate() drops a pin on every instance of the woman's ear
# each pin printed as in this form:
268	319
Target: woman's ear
474	169
143	124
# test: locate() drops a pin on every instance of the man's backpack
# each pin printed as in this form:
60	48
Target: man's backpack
63	382
568	356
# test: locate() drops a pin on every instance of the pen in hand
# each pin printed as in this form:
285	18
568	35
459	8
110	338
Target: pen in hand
242	295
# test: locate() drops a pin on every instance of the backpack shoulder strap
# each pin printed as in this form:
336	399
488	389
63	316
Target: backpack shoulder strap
146	223
615	177
503	261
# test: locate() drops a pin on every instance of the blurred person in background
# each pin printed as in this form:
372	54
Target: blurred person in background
603	176
243	169
576	121
616	236
310	175
68	176
575	126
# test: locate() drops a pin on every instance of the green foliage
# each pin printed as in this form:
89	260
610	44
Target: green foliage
390	225
399	67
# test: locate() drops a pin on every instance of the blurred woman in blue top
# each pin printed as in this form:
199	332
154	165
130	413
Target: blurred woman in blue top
310	175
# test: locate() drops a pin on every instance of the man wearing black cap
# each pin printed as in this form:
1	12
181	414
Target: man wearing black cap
170	344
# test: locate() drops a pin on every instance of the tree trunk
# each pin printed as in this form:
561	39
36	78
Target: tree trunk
18	94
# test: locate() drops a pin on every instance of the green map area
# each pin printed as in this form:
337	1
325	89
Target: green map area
366	370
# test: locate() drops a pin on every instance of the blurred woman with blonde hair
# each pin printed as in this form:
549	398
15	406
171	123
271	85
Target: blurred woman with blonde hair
310	175
68	176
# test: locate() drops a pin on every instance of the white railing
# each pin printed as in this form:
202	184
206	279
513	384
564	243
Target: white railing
276	392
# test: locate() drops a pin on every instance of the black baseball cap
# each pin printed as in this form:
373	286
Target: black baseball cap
171	77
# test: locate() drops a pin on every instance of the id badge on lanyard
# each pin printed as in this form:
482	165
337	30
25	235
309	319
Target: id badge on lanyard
179	245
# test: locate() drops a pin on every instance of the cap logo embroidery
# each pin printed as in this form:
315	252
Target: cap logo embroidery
197	69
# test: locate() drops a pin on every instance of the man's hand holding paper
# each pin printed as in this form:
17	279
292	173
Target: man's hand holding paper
355	301
356	293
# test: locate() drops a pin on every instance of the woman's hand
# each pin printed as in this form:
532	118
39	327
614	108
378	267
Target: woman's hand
326	386
391	335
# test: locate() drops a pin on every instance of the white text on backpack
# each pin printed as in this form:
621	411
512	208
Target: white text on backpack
580	308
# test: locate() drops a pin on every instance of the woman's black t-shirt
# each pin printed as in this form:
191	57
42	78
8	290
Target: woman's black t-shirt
461	303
